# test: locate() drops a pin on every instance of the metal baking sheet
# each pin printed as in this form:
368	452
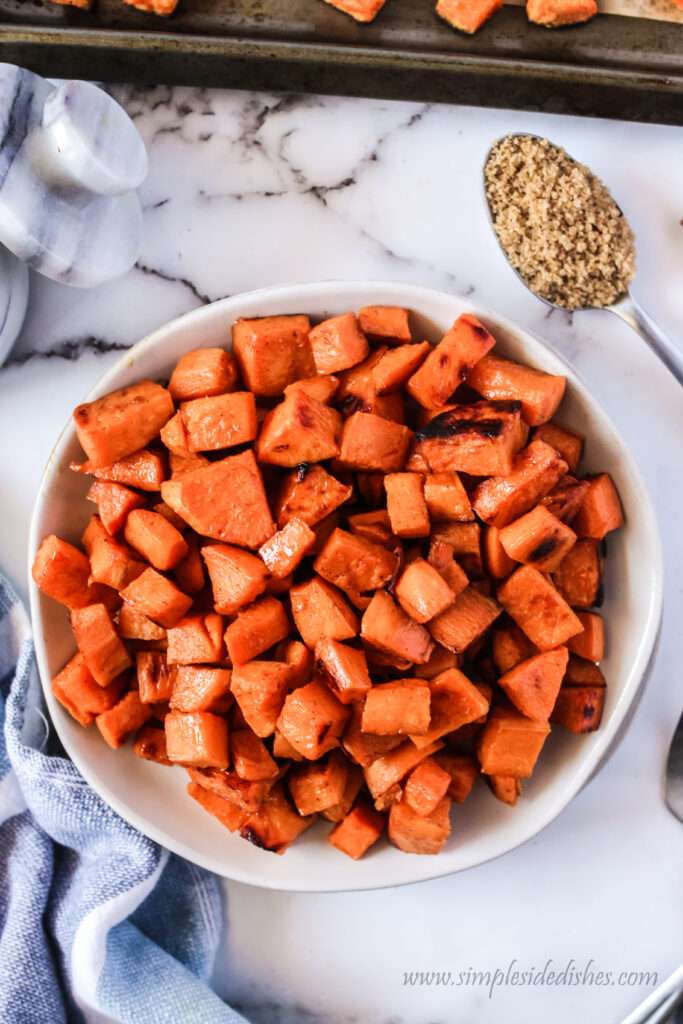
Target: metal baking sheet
623	67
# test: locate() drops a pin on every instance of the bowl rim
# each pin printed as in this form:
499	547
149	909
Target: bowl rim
608	737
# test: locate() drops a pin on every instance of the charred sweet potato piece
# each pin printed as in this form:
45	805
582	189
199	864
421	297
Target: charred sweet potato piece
224	500
200	688
310	494
220	421
114	502
397	708
321	611
389	769
370	443
99	643
122	422
229	814
446	498
260	688
358	830
537	538
426	785
553	13
578	577
386	626
374	526
388	323
276	824
540	393
455	702
318	785
442	558
601	509
155	538
119	722
338	343
344	669
144	469
591	643
467	15
322	387
257	627
416	833
299	429
283	552
510	646
567	442
247	796
133	625
196	639
155	676
203	373
449	363
111	562
397	365
464	540
465	620
197	738
150	744
538	608
535	471
579	708
157	598
406	504
498	562
356	391
533	685
462	771
62	572
506	788
422	592
272	352
354	564
237	577
77	690
566	498
481	439
312	719
510	743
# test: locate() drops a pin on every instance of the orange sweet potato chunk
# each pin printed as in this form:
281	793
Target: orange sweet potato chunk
237	577
386	626
455	702
601	509
406	506
591	643
77	690
462	770
442	557
322	387
220	421
299	658
535	471
540	393
247	796
224	500
415	833
344	669
250	757
397	365
510	646
358	830
196	639
449	363
498	562
579	708
467	15
537	538
283	552
370	443
318	785
228	813
465	620
145	470
464	540
426	785
356	391
202	373
578	577
533	685
155	538
272	352
155	676
390	768
99	643
120	423
157	598
390	323
310	494
538	609
114	502
200	688
257	627
260	688
61	571
553	13
506	788
276	824
510	743
300	429
118	723
566	498
339	343
446	498
150	744
422	592
354	564
481	439
397	708
198	739
312	719
364	748
321	611
374	526
567	442
189	572
111	563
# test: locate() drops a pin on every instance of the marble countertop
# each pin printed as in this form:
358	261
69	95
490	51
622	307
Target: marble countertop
251	189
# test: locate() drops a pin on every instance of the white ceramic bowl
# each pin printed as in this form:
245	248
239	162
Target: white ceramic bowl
153	798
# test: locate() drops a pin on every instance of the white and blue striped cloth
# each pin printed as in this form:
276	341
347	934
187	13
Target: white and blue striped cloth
92	914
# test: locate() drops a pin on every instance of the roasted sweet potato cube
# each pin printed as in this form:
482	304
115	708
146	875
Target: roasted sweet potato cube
374	526
354	782
203	373
397	708
439	661
114	502
354	564
155	676
186	463
224	500
77	690
358	830
455	701
283	552
356	391
442	557
540	393
553	13
196	639
601	509
386	626
464	540
61	571
150	744
467	15
228	813
122	422
506	788
510	646
260	688
197	738
566	498
422	592
111	563
237	577
364	748
415	833
174	436
157	598
397	365
446	498
155	539
276	824
257	627
321	387
321	611
533	685
426	785
344	669
567	442
406	504
133	625
220	421
119	722
578	577
370	443
99	643
510	743
338	343
538	608
299	429
161	7
144	469
310	494
272	352
299	658
481	439
498	562
250	758
535	471
246	795
282	748
462	771
201	688
465	620
449	363
581	672
389	769
319	784
579	708
537	538
591	643
312	719
189	572
386	322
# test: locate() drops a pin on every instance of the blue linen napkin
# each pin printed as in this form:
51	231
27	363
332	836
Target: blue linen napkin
91	912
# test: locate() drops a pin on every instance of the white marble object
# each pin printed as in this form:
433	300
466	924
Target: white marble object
13	299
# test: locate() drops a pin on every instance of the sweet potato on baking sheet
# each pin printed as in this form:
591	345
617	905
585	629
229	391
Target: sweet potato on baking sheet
554	13
467	15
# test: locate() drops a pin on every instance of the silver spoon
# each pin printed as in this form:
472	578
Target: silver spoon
625	307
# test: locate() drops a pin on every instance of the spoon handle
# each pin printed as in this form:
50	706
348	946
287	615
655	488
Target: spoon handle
650	331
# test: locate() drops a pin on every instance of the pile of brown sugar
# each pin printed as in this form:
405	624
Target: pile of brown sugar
558	224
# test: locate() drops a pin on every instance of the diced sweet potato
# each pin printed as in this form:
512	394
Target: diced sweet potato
237	577
354	564
439	661
397	708
155	676
442	557
99	643
299	429
540	393
578	577
133	625
61	571
310	494
202	373
225	500
371	488
260	688
276	824
111	562
498	562
553	13
535	471
344	669
189	572
196	738
465	620
322	387
422	592
426	785
538	609
316	786
510	646
155	539
220	421
601	509
449	363
415	833
174	436
354	782
591	643
339	343
150	744
196	639
157	598
283	552
386	322
250	758
455	702
374	526
579	708
567	442
114	502
416	462
462	771
566	498
481	439
228	813
406	504
118	723
389	769
506	788
122	422
200	688
397	365
282	748
370	443
537	538
321	611
144	469
510	743
299	659
464	540
257	627
272	352
182	465
364	748
355	834
386	626
581	672
446	498
533	685
312	719
356	391
77	690
247	796
467	15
